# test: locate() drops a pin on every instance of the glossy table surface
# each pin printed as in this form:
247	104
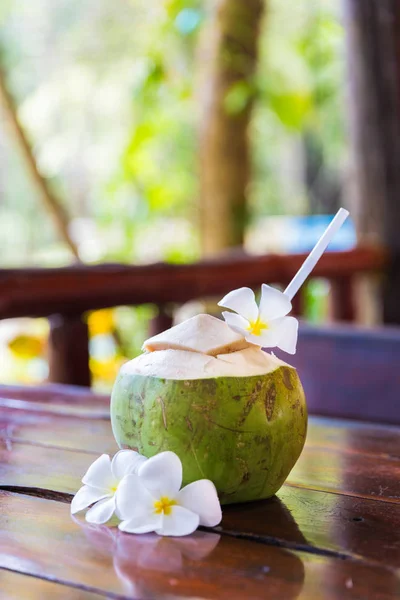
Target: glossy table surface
332	531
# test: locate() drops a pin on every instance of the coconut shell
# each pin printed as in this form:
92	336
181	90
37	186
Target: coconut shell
244	433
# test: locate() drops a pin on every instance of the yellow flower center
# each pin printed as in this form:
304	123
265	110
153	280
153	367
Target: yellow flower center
114	488
256	327
164	505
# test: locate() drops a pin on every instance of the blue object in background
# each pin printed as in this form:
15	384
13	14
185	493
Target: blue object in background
306	231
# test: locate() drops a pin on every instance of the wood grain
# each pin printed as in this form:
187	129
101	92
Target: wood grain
46	426
86	412
15	586
329	522
359	475
365	475
203	565
23	465
342	434
56	399
55	394
58	431
366	526
332	531
348	436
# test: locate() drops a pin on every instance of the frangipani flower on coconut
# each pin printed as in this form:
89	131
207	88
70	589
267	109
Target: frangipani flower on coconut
153	501
102	483
265	325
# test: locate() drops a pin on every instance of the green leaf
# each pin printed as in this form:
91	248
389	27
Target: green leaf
291	107
238	97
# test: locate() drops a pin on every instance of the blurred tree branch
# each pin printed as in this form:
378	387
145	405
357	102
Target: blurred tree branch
48	198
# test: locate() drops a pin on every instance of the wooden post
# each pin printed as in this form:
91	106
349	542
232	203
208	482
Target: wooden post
228	61
343	305
162	321
69	350
373	37
298	304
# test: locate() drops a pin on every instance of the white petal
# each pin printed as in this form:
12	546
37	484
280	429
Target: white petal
269	338
144	524
99	474
125	462
273	304
162	474
236	322
281	333
241	301
87	496
117	511
289	332
180	521
133	499
101	512
201	498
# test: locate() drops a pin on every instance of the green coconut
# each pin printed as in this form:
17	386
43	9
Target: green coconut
238	418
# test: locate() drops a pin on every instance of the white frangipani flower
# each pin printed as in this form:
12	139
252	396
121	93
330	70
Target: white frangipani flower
102	483
160	505
266	325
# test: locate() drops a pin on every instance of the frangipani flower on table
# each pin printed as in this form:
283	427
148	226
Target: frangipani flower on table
102	483
145	494
265	325
153	501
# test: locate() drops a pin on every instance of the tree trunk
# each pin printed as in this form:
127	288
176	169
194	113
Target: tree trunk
229	60
373	35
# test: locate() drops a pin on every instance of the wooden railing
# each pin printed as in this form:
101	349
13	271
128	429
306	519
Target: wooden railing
65	294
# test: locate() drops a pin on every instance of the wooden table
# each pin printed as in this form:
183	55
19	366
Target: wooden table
333	531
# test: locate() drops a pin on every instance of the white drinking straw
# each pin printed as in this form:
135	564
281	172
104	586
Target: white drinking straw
316	253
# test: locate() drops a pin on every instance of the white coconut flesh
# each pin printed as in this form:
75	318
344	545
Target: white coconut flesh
178	354
202	333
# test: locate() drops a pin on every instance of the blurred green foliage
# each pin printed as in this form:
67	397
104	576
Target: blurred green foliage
301	81
108	93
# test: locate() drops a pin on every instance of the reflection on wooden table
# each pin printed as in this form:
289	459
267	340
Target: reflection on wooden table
333	530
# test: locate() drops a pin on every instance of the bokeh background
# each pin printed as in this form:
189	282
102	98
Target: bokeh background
116	99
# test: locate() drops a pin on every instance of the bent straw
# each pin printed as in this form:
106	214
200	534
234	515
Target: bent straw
316	253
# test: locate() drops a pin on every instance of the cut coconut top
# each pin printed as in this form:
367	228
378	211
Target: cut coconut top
202	347
181	364
202	333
